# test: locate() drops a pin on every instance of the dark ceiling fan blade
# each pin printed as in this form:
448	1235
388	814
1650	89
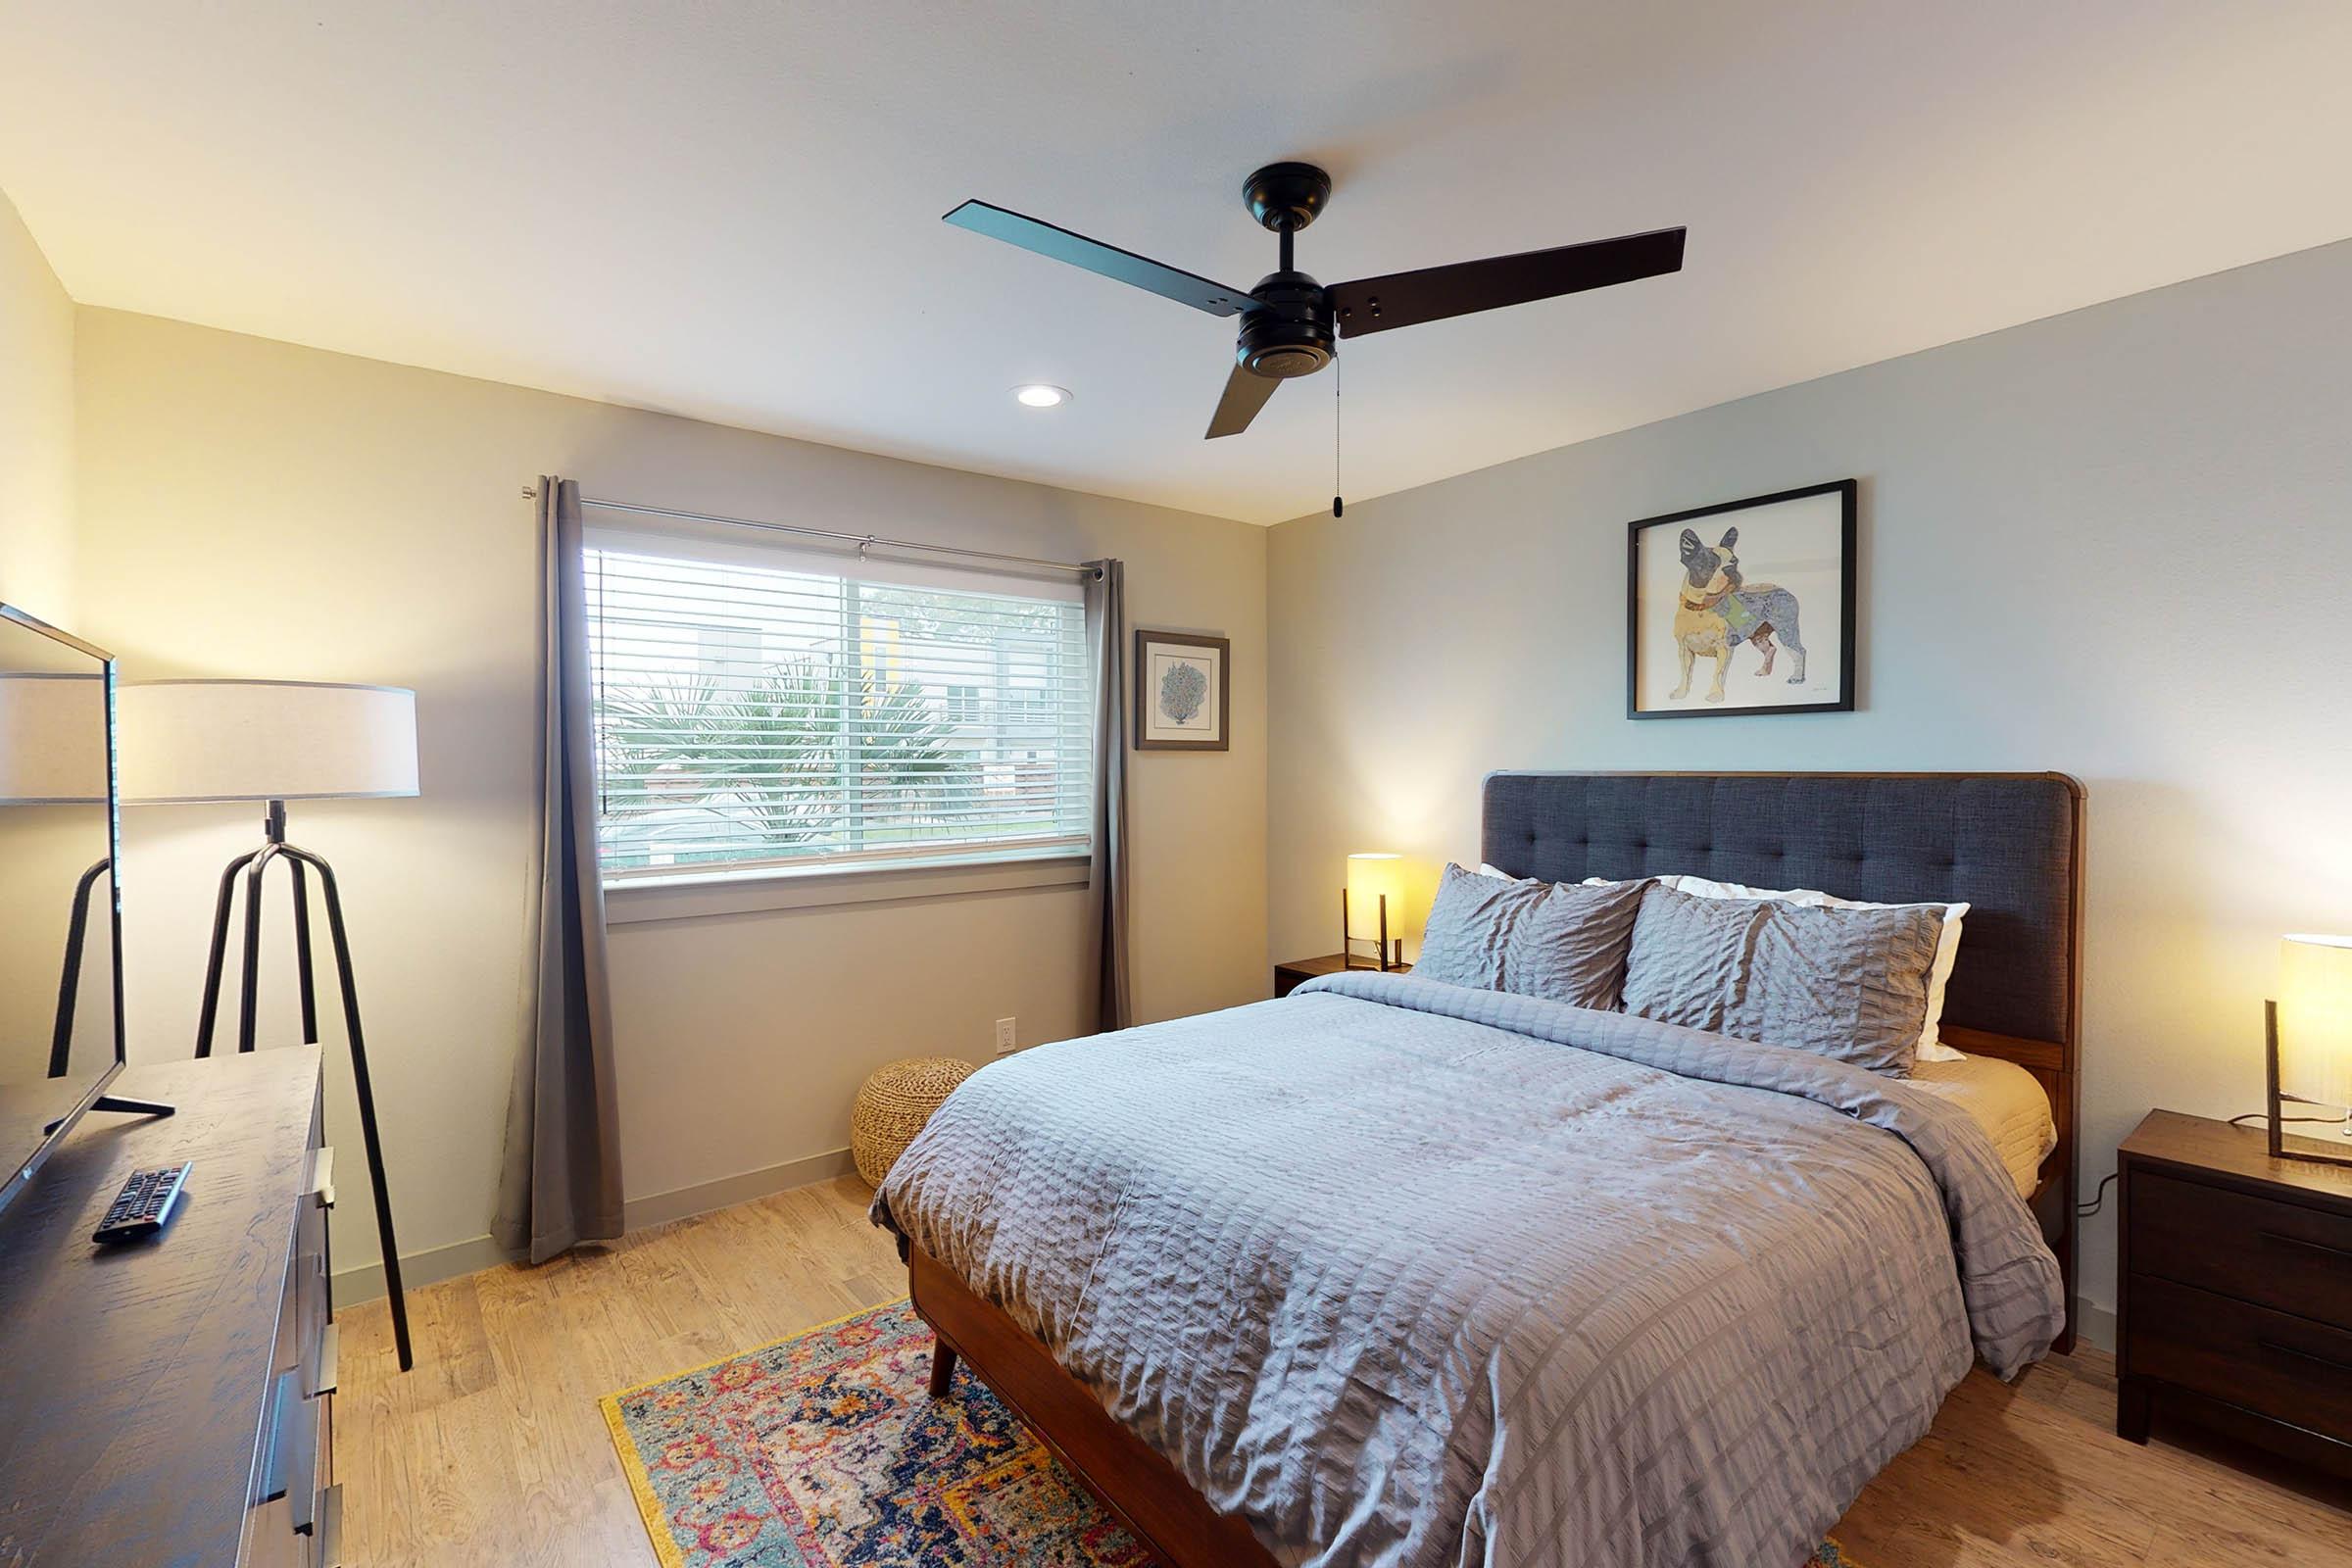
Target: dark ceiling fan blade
1433	293
1244	395
1033	234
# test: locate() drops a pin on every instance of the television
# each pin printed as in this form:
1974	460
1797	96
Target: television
61	918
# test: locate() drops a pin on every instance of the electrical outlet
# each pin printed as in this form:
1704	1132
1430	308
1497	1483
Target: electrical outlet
1004	1041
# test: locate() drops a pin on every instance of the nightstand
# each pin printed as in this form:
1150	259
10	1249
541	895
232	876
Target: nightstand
2233	1299
1289	977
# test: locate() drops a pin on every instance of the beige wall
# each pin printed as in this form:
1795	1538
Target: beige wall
48	846
253	508
2110	543
36	428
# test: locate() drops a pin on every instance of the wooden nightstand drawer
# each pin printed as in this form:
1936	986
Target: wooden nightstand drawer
2257	1249
2234	1306
2290	1369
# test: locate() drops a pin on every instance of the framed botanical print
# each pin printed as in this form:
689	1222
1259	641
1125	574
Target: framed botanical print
1182	684
1744	607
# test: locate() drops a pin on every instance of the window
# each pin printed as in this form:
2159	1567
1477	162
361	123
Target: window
760	710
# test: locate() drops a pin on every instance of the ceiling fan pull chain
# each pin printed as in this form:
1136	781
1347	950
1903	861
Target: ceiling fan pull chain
1336	505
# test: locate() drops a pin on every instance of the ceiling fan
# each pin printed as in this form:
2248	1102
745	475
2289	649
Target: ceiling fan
1290	322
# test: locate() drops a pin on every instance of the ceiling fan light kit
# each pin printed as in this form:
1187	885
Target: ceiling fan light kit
1292	324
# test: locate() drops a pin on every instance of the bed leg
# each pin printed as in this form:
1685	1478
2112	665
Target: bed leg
942	1368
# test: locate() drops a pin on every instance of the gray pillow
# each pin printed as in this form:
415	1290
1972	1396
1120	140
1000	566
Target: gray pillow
1539	939
1845	983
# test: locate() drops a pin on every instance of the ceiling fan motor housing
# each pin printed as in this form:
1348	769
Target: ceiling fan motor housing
1291	334
1287	197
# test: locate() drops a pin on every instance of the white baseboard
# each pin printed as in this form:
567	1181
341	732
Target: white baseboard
2096	1324
642	1213
366	1282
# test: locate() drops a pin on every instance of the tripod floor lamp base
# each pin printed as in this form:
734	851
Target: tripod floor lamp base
217	739
68	991
249	870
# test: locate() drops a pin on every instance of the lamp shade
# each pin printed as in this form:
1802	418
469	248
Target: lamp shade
52	738
265	740
2314	1018
1370	877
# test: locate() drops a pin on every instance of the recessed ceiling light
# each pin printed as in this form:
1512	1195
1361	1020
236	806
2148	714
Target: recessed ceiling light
1038	395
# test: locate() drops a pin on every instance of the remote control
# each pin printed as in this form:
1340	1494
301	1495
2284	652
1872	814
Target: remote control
144	1203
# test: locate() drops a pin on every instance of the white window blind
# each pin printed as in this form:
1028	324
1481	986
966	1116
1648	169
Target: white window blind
762	711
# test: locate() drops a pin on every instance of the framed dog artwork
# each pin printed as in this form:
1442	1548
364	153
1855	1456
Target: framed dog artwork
1744	607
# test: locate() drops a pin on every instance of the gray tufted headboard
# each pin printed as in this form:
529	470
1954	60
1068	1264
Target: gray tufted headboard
2007	843
2010	843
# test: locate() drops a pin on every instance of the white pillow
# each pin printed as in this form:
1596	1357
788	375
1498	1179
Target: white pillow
1947	944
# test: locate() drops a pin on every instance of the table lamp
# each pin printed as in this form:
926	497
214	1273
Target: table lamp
274	741
1373	901
2309	1043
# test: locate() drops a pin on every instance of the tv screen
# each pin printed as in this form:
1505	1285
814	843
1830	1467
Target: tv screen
61	991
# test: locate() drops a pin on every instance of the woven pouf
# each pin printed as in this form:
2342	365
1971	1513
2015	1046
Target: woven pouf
894	1103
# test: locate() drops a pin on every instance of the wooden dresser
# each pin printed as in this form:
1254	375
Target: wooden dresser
2235	1289
169	1403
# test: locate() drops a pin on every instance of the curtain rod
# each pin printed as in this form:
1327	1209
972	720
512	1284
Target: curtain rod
863	541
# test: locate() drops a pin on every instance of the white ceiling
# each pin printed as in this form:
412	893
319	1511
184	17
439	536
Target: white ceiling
731	211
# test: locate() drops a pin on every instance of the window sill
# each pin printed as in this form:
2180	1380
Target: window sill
689	897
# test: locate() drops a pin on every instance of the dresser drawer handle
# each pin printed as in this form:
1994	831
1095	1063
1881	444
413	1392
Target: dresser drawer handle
2275	1348
329	1536
330	1355
2344	1252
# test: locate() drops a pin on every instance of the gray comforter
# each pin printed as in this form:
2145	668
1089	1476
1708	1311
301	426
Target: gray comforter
1411	1274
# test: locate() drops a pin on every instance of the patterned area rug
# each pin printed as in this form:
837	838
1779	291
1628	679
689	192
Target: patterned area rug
824	1450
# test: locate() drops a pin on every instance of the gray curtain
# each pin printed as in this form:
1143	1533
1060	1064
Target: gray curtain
1106	884
560	1184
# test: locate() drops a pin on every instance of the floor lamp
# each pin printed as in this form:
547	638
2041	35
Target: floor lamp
54	728
274	741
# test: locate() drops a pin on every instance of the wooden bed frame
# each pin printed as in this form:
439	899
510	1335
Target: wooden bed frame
1163	1511
1134	1484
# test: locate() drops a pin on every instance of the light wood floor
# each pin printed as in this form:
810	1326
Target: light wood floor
492	1451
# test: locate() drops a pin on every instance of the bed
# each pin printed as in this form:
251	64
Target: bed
1399	1272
